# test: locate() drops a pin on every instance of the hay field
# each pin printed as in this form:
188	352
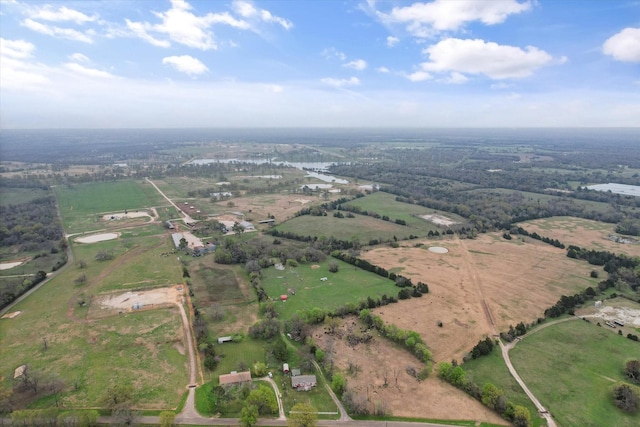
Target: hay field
580	232
518	281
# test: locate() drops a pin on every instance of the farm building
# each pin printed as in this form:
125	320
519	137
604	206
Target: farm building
267	221
170	225
295	372
176	239
224	339
285	368
303	382
247	226
235	378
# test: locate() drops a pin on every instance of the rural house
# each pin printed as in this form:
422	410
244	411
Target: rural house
303	382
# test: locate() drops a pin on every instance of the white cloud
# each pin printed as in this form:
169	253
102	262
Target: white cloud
332	52
392	41
78	57
624	46
427	18
248	10
383	70
19	49
63	33
501	85
89	72
186	64
419	76
139	29
358	64
16	69
455	78
330	81
488	58
273	88
49	13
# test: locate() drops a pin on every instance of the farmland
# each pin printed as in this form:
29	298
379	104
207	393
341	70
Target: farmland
348	285
571	367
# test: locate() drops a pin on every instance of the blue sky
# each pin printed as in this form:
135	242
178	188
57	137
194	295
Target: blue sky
297	63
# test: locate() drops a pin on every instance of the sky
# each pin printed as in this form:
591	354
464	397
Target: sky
319	63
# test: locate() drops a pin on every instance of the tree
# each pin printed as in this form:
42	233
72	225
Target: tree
338	384
263	399
490	395
116	395
259	369
249	416
626	398
333	267
280	351
632	371
302	415
521	416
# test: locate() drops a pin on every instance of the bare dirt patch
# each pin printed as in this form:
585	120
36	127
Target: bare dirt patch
615	309
124	215
404	395
518	280
106	305
261	206
11	315
97	238
8	265
438	219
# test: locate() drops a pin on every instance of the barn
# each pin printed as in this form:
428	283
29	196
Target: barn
235	378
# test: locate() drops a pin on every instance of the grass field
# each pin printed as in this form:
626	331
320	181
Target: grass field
363	228
141	349
349	284
492	369
15	196
571	367
80	204
386	204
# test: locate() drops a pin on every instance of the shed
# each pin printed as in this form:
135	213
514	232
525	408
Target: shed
247	225
224	339
295	372
303	382
285	368
235	378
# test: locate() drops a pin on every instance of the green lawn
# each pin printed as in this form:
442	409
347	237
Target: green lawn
349	284
571	367
82	204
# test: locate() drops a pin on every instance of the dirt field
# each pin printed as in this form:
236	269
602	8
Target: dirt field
106	305
404	395
280	206
581	232
518	280
97	238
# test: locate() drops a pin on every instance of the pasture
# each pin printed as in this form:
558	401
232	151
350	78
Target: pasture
81	204
349	285
362	228
571	367
584	233
385	204
143	349
519	280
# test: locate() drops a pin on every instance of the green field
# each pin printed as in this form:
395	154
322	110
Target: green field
492	369
138	348
349	284
363	228
15	196
386	204
81	204
571	367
